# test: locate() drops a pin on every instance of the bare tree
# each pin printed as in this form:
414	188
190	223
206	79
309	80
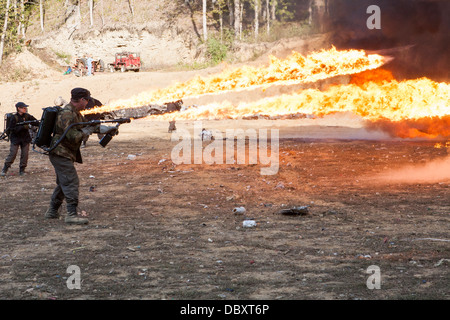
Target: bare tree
237	7
5	28
205	29
41	14
130	4
256	4
22	19
318	11
102	13
274	6
91	11
231	15
220	6
241	14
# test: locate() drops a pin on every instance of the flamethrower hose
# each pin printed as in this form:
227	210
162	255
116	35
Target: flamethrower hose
84	124
3	136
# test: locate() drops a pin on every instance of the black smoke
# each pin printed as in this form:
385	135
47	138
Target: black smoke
416	33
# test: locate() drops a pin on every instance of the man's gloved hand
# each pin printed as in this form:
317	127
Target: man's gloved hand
87	131
112	130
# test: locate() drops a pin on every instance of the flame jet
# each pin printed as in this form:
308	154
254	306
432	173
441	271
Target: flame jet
406	109
294	69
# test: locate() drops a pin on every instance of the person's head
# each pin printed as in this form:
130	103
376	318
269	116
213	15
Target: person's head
80	98
21	107
60	101
93	103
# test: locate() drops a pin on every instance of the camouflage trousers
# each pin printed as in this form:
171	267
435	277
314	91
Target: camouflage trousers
13	150
67	183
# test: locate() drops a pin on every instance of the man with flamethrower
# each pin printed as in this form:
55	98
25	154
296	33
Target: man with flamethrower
70	130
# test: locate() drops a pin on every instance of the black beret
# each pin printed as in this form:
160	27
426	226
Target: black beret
78	93
21	105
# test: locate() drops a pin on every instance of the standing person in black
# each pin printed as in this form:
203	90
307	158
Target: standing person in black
20	138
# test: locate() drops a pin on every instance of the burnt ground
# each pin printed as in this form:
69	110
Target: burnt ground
164	231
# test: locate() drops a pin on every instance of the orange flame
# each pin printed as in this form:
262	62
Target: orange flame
411	108
406	109
292	70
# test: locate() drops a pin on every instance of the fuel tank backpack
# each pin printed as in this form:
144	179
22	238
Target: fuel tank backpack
47	127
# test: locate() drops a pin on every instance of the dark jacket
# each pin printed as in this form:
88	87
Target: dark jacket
20	134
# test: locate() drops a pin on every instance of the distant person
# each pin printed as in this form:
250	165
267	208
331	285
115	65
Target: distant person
172	107
60	102
90	71
68	70
20	138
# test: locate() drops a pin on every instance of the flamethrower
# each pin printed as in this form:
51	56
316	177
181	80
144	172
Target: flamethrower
103	142
32	122
5	134
47	124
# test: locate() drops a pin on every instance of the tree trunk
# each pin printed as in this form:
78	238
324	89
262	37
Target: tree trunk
131	8
41	14
231	15
256	19
221	24
268	16
205	29
310	12
91	11
22	18
318	14
5	28
102	13
241	14
237	6
274	6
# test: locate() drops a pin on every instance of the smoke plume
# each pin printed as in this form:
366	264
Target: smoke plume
415	32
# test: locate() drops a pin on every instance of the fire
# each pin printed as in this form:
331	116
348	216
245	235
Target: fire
406	109
410	108
294	69
440	145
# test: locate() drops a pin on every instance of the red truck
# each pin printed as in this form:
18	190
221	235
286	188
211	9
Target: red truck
126	61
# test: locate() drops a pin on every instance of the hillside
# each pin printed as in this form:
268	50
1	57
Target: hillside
167	34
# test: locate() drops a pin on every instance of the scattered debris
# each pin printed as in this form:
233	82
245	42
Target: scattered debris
249	223
280	185
239	210
206	135
431	239
295	211
441	262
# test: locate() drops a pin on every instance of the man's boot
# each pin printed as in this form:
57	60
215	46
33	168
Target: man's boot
4	171
52	212
22	171
73	218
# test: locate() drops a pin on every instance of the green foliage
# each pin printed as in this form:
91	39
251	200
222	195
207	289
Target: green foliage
63	56
216	50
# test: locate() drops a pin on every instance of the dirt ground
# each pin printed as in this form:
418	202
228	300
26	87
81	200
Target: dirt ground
163	231
158	230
